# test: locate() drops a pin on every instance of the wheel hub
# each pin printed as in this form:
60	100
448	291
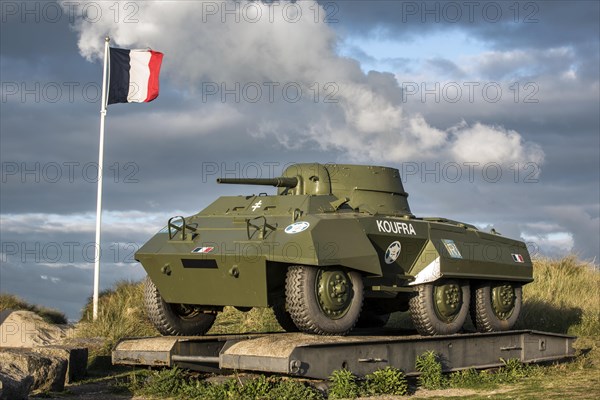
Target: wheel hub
503	300
334	293
448	301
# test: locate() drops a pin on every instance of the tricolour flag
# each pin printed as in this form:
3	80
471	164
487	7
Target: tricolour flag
518	258
133	75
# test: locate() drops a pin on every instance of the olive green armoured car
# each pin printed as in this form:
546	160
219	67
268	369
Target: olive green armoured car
336	247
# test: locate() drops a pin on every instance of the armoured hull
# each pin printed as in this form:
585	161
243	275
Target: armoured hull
239	250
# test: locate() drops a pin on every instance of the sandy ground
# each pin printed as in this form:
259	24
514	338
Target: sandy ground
27	329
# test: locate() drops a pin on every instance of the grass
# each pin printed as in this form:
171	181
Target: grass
232	320
388	380
579	379
121	313
181	384
343	385
430	367
50	315
563	298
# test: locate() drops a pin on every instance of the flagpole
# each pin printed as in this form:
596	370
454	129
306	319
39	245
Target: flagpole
99	192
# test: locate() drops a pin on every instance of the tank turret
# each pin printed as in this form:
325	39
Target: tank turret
372	189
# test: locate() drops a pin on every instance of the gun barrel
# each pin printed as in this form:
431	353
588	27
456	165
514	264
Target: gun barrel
277	182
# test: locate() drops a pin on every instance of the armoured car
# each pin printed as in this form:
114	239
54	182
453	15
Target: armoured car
336	247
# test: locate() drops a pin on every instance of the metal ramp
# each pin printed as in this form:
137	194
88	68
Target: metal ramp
314	356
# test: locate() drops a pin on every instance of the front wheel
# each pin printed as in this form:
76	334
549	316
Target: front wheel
325	301
496	306
175	319
440	307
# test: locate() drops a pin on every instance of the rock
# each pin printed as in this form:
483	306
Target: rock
46	371
27	329
14	385
76	358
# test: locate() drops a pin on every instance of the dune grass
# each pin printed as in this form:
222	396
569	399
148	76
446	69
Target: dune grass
232	320
121	313
50	315
563	298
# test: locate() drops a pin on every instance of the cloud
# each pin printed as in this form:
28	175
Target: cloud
513	63
483	143
138	223
281	43
522	25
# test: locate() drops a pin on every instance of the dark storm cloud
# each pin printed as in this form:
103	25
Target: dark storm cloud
35	30
522	24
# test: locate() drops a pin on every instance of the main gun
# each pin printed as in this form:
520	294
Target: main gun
277	182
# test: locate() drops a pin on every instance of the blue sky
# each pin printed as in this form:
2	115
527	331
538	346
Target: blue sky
451	46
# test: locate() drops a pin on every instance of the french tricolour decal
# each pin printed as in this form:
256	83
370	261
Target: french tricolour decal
133	75
517	258
203	249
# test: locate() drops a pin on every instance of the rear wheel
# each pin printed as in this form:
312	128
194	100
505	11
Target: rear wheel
325	301
175	319
496	306
441	307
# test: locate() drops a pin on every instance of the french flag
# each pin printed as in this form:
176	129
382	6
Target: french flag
518	258
133	75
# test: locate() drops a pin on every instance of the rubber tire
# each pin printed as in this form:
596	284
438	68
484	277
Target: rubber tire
483	316
284	318
167	321
372	316
303	306
424	316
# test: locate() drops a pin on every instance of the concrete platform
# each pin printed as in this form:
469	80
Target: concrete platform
314	356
